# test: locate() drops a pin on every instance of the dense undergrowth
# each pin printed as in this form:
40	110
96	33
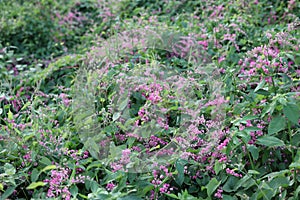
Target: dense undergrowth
149	99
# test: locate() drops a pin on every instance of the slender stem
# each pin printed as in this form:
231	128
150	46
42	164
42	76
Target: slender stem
250	158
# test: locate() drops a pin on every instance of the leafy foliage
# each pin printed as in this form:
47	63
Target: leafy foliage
149	99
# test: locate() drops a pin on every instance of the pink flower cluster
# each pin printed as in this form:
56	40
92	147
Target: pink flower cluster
56	187
76	155
58	183
64	97
158	179
151	92
124	160
143	115
163	123
231	172
218	194
154	141
110	186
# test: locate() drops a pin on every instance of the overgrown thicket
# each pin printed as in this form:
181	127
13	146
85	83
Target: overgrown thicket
149	99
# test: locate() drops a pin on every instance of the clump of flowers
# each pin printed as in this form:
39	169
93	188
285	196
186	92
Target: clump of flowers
59	182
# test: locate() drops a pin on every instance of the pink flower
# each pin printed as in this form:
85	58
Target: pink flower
110	186
231	172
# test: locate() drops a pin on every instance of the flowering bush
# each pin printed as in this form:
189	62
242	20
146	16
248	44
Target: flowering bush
150	100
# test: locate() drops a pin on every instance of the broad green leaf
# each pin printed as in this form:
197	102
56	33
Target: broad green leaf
272	175
173	196
295	165
230	184
130	197
180	168
228	197
25	106
83	196
277	124
49	167
296	193
269	109
253	172
34	175
9	169
263	92
279	182
116	116
8	192
218	167
130	141
212	186
74	190
269	141
245	182
10	115
92	147
245	136
252	128
292	112
45	161
260	85
254	151
146	189
35	185
96	164
123	104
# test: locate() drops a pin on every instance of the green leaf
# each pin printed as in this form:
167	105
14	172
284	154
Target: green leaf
272	175
245	182
269	141
9	169
10	115
173	196
244	136
296	193
123	104
260	85
263	92
218	167
49	167
254	151
146	189
116	116
34	175
253	172
180	168
295	165
230	184
227	197
45	161
212	186
96	164
292	112
74	190
279	182
8	192
252	128
277	124
269	109
35	185
83	196
93	147
130	197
